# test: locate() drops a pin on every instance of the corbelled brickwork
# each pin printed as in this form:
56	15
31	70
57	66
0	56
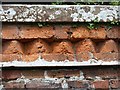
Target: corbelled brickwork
59	42
26	43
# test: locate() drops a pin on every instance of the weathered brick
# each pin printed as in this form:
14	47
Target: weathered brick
63	47
115	84
79	84
29	31
113	32
101	85
85	56
99	33
12	47
46	32
37	46
31	74
33	31
102	72
29	58
109	46
10	57
86	45
63	73
80	32
13	85
106	56
61	32
10	74
57	57
42	85
10	32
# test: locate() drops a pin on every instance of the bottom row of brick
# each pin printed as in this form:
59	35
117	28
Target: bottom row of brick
86	78
85	84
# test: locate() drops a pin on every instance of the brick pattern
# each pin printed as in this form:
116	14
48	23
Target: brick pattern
59	42
98	78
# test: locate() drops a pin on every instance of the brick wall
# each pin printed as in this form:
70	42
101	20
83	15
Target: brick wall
59	42
26	42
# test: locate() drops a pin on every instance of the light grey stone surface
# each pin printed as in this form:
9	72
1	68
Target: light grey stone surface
58	13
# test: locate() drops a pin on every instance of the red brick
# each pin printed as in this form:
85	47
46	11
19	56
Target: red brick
102	72
42	85
29	31
102	85
33	31
85	56
31	74
11	85
37	46
79	84
85	46
80	32
58	57
61	32
115	84
10	74
30	58
12	47
63	73
99	33
10	57
109	46
106	56
10	32
46	32
63	47
113	32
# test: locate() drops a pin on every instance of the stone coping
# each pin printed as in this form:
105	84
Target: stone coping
58	13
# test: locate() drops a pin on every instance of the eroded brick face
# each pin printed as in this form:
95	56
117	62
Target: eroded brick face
60	43
27	42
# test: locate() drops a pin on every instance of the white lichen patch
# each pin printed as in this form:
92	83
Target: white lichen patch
73	13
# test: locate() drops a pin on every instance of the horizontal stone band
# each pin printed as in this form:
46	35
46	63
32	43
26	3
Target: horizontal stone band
59	13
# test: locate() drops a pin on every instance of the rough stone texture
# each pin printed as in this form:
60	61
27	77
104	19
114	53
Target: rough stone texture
51	13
